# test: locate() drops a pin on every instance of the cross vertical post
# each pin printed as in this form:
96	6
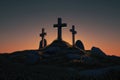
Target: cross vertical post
59	26
73	34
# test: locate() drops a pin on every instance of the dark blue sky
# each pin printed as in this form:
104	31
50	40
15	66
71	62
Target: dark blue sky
97	22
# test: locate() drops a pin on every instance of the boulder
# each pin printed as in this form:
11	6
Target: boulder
97	51
79	44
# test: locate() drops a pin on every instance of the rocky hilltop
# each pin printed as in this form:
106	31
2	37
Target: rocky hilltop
59	61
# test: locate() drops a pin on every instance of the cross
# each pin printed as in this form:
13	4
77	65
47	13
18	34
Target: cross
73	34
43	33
43	41
59	26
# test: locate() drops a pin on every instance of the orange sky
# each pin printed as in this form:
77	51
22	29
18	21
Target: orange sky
97	23
31	40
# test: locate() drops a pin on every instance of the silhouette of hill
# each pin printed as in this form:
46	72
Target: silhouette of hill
59	61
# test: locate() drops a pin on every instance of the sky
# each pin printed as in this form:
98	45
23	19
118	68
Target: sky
97	23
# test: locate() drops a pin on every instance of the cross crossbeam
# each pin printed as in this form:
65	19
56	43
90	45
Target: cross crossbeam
42	35
59	26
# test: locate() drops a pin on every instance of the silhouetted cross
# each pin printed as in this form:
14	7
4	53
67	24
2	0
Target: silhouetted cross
43	41
42	35
60	25
73	34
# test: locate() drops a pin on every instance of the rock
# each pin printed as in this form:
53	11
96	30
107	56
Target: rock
97	51
79	44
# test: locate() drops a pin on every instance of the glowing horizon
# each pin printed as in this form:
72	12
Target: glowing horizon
34	43
97	23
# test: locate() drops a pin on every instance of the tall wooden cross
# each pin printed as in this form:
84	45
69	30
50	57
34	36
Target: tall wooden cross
59	26
43	41
73	34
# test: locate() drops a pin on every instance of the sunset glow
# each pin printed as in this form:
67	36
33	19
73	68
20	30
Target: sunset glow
31	41
97	24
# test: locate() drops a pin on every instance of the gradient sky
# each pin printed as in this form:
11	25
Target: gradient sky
97	23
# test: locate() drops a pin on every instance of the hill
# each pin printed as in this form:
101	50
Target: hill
59	61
